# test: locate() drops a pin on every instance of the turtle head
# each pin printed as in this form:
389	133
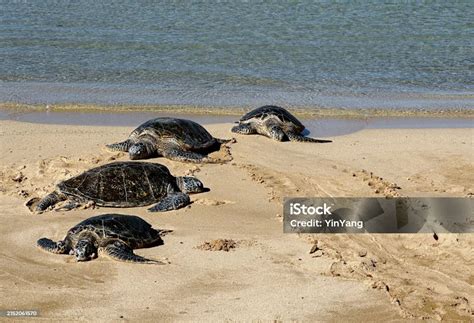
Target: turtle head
188	184
141	150
242	128
85	250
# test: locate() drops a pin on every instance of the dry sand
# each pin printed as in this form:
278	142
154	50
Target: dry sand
265	275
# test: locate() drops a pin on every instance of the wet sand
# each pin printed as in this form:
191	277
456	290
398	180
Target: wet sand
268	275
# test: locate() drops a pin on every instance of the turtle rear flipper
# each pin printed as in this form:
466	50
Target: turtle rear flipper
173	201
186	156
49	245
120	251
68	206
225	141
120	146
299	138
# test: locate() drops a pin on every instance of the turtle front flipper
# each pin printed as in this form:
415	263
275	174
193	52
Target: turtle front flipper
186	156
120	251
276	133
299	138
60	247
49	200
173	201
120	146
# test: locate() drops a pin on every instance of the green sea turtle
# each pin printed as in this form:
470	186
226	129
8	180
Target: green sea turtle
125	184
273	122
114	235
175	139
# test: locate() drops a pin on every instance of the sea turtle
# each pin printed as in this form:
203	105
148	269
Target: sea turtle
125	184
175	139
273	122
114	235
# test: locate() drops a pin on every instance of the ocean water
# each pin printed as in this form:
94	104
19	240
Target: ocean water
239	53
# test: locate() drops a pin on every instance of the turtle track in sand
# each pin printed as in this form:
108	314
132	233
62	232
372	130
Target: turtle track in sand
419	291
36	179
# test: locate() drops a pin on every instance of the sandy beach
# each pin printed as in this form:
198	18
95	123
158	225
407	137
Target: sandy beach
267	275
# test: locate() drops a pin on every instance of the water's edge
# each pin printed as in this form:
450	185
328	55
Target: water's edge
301	111
318	122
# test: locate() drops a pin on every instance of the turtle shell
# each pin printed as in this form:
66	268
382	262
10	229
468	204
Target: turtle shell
121	184
186	133
264	112
134	231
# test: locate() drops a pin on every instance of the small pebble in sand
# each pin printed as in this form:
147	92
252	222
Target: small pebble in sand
394	186
318	253
314	248
23	193
19	178
380	285
362	253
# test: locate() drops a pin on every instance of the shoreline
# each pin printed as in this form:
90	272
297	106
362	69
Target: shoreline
299	111
316	126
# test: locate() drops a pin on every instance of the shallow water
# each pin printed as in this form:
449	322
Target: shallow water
323	127
294	53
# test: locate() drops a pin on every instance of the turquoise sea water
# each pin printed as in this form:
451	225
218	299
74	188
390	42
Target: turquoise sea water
293	53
